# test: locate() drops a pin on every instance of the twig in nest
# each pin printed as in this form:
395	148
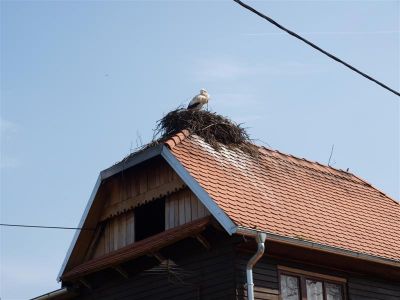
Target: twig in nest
216	130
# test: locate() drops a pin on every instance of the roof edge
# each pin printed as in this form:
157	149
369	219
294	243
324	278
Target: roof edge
131	161
318	246
125	164
222	218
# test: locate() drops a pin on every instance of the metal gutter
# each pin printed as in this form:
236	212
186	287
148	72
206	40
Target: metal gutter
260	239
200	193
317	246
52	295
134	160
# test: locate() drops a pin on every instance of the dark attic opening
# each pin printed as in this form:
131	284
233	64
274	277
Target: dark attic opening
149	219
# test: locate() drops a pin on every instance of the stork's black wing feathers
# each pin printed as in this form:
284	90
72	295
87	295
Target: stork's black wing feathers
194	105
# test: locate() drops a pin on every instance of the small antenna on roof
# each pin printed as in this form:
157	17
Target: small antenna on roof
330	156
139	141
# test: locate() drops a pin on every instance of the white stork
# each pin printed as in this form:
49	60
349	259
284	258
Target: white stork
199	100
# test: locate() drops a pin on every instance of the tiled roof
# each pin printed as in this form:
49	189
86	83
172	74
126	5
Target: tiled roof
293	197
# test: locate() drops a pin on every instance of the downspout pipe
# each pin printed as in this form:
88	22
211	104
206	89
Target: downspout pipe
260	239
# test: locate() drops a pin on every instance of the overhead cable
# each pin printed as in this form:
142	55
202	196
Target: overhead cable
45	227
315	46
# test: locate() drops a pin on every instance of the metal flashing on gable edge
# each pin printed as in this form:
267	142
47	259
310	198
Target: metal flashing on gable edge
200	193
136	159
125	164
81	223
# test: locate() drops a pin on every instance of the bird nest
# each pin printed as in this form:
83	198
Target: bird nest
216	130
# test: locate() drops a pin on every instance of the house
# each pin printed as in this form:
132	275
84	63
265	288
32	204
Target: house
182	220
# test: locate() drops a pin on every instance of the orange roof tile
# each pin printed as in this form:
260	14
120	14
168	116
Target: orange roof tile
293	197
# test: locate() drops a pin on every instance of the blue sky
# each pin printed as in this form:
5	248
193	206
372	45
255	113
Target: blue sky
82	83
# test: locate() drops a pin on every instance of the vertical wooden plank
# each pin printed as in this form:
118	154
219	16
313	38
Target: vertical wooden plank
128	184
122	231
130	227
99	247
188	209
157	175
110	236
170	172
107	238
166	214
119	189
173	175
176	210
194	202
171	212
206	212
114	192
115	233
165	174
135	186
200	209
143	181
151	178
122	187
181	209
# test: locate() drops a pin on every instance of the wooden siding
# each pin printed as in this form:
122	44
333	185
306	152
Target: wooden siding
117	232
266	282
219	273
139	185
360	288
122	194
197	274
183	207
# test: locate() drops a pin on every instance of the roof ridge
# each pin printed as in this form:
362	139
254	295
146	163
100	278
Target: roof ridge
177	138
375	188
327	167
312	162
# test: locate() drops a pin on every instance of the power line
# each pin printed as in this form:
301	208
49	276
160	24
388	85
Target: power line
45	227
315	46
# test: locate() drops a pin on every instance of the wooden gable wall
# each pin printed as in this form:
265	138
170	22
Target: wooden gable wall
136	187
182	207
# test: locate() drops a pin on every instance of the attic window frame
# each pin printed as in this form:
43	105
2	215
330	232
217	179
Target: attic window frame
139	226
303	275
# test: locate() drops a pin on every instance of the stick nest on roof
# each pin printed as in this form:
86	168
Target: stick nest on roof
216	130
